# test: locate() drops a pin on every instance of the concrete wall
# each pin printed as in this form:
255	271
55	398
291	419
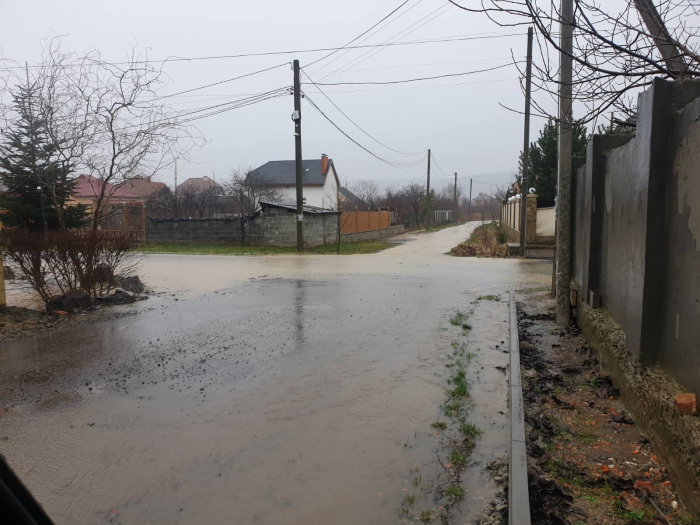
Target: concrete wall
534	233
545	222
371	235
274	226
636	230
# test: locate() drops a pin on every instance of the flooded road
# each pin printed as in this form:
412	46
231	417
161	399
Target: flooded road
277	389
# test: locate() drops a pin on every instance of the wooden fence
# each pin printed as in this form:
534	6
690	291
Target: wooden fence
124	217
364	221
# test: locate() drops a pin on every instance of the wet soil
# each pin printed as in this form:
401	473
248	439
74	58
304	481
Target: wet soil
276	390
19	323
588	462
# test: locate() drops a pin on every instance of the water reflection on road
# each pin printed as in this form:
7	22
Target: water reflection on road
274	390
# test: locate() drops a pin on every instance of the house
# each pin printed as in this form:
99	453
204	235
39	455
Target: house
88	189
349	201
199	185
481	199
145	189
320	180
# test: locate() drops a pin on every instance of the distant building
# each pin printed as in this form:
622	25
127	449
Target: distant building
320	180
348	200
199	185
482	198
145	188
88	189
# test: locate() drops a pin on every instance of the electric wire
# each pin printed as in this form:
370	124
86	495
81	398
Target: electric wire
355	123
389	162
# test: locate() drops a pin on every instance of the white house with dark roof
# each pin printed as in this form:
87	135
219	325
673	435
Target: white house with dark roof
320	180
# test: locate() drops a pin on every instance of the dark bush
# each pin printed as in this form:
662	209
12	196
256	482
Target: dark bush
57	262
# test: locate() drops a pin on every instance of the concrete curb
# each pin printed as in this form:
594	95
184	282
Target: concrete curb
518	498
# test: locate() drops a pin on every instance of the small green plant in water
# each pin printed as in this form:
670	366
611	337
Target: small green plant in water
458	318
440	425
469	430
454	491
416	481
409	500
457	458
461	389
426	516
488	298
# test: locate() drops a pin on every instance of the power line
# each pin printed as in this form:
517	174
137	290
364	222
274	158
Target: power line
220	82
296	51
360	35
415	79
395	36
355	123
426	64
375	155
375	32
423	87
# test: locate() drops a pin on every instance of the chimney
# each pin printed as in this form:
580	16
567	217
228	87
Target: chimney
324	163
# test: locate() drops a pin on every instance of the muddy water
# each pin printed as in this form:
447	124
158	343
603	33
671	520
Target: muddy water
273	390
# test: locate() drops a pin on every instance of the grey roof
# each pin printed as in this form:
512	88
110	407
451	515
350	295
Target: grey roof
284	172
293	207
350	197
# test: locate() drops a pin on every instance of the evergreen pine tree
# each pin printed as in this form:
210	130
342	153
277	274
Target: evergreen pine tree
37	186
542	168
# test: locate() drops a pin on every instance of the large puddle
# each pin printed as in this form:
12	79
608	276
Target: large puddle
302	396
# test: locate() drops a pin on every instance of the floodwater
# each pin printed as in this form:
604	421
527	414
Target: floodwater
276	389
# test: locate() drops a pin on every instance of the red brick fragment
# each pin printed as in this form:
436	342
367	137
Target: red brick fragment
643	485
686	404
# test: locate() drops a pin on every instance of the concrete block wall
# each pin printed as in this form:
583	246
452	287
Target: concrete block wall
636	233
274	226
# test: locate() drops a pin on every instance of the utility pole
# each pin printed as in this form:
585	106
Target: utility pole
296	117
563	247
427	196
662	38
176	215
470	199
455	212
526	145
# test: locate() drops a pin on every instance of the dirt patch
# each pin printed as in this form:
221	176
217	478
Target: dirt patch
587	460
488	240
18	323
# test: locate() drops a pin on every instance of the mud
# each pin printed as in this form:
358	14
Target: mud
275	389
587	460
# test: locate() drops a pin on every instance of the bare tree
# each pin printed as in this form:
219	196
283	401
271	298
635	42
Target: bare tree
248	189
135	130
107	119
367	191
618	48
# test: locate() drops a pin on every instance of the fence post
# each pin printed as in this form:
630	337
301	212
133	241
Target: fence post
125	218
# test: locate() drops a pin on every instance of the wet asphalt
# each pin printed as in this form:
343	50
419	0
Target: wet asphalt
277	389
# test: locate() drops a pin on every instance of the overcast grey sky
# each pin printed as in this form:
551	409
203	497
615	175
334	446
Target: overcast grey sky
459	118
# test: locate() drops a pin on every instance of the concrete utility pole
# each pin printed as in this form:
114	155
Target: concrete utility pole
455	212
470	199
427	196
526	145
296	117
563	248
662	38
175	192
